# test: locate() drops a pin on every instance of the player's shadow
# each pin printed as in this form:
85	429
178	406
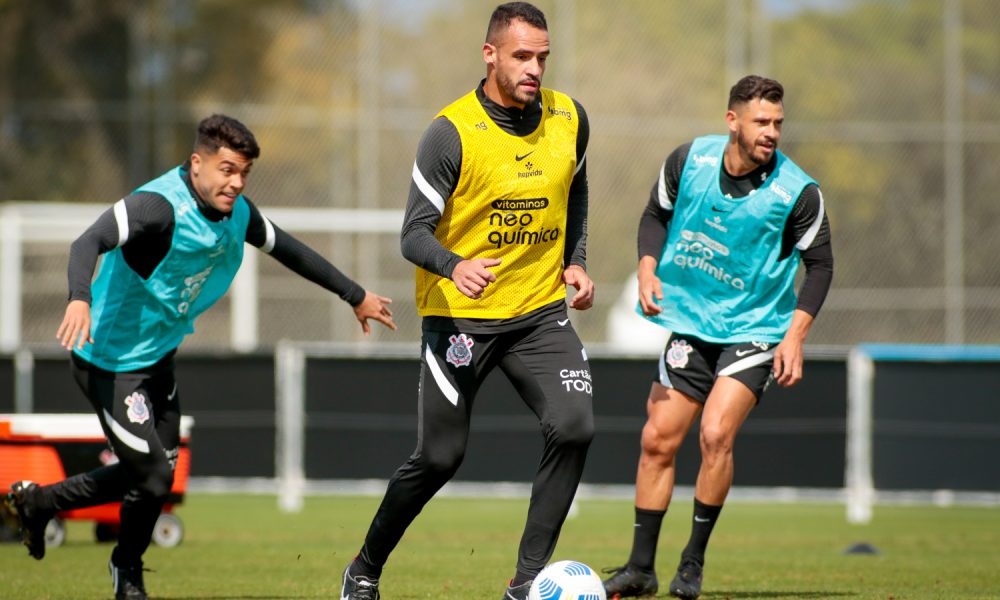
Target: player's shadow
723	595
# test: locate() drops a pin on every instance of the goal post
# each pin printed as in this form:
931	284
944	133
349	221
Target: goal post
859	477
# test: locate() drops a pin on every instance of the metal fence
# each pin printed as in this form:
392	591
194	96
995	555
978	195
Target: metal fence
892	105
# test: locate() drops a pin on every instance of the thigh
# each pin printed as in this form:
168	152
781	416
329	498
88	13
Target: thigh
453	366
548	366
124	403
164	396
748	363
688	365
670	413
728	406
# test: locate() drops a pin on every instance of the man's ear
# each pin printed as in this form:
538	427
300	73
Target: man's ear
732	120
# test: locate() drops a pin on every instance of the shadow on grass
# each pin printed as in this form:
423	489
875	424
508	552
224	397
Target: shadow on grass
790	594
239	597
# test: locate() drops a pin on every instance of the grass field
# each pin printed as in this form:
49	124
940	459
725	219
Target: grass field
242	547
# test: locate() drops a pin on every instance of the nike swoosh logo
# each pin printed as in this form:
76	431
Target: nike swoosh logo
743	352
700	520
563	323
717	209
172	394
520	157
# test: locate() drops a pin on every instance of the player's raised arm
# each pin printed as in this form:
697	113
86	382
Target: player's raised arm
306	262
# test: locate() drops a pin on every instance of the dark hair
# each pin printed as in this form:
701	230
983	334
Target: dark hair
504	14
755	86
220	131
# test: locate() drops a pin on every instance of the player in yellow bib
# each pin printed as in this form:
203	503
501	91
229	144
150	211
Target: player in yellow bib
496	223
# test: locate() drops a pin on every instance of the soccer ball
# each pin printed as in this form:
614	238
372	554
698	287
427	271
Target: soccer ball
567	580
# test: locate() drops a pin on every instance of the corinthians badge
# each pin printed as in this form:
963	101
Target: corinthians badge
137	411
677	354
460	351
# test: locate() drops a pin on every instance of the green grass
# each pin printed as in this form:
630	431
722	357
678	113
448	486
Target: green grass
242	547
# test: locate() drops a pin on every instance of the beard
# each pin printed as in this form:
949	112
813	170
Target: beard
759	156
509	87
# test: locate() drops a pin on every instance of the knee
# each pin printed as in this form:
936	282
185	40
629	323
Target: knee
441	462
573	430
715	441
156	481
659	445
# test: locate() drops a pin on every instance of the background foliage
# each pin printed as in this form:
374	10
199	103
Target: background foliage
893	105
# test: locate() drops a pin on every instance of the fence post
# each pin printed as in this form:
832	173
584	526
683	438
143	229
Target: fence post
10	278
244	328
290	425
858	470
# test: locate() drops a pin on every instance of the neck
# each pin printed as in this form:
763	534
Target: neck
735	162
494	93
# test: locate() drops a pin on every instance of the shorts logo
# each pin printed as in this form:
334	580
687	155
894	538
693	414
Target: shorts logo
762	345
677	355
459	353
138	411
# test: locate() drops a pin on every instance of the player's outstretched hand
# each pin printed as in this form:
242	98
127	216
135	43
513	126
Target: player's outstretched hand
575	276
374	307
650	293
75	327
472	276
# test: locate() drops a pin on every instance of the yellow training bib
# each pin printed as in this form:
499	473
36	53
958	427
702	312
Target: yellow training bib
509	203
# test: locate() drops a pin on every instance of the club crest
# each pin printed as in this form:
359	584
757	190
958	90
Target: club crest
138	411
677	355
460	351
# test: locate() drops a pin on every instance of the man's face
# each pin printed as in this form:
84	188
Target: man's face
518	61
219	178
757	125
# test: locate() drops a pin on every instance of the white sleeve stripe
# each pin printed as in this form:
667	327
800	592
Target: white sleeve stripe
580	164
121	217
268	236
661	191
807	239
426	189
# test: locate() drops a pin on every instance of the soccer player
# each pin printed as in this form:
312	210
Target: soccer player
496	224
171	249
720	241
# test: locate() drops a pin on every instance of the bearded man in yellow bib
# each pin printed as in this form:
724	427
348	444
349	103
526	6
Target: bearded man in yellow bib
496	223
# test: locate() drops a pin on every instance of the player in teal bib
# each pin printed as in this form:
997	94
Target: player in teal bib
728	222
725	280
136	321
171	249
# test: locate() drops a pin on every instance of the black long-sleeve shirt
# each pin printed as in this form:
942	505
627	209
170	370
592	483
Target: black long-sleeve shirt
142	224
807	228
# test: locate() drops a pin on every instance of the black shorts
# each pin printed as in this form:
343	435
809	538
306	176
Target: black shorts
691	365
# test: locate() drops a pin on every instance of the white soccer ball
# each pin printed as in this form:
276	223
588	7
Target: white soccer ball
567	580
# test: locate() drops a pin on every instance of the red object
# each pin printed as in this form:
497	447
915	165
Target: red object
46	448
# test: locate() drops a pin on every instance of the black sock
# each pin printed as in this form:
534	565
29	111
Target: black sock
644	538
520	578
360	566
702	523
